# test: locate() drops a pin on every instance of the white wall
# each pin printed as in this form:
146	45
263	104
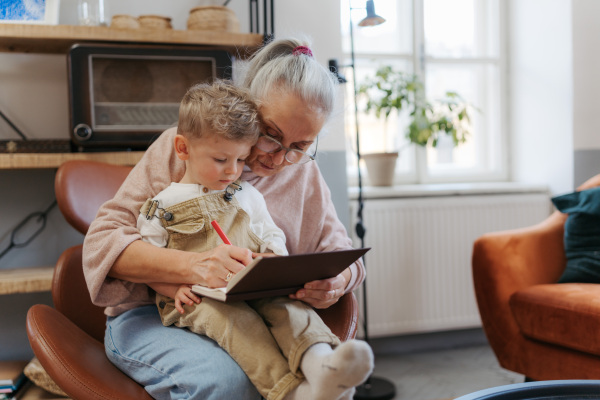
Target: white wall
586	85
540	92
319	21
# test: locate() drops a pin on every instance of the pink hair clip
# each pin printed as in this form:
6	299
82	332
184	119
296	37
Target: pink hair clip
302	50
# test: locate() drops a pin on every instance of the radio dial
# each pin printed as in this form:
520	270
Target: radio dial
83	132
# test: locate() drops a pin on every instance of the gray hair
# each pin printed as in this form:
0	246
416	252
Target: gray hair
275	67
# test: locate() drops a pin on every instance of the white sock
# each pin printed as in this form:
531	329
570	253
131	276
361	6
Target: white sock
333	374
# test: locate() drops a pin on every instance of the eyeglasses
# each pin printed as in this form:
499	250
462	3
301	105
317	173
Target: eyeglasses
270	145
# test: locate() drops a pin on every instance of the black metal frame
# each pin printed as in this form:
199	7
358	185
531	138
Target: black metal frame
268	19
374	388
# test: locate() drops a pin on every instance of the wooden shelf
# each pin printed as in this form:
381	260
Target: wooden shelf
54	160
26	38
26	280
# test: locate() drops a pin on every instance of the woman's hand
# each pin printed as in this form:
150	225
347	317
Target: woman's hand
324	293
214	268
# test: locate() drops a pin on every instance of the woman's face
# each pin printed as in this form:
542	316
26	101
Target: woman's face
292	123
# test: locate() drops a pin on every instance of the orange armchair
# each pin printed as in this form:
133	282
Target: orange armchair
536	327
68	340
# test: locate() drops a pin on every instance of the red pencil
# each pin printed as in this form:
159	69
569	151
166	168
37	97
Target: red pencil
222	235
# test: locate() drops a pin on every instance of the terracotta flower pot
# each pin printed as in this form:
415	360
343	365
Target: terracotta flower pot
380	168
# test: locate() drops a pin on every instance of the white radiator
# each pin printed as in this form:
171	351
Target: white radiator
419	269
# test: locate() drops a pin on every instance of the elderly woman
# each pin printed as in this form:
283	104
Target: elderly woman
297	96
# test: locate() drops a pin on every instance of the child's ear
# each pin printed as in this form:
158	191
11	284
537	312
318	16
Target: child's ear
182	147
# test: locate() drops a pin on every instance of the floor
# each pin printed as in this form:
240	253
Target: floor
442	365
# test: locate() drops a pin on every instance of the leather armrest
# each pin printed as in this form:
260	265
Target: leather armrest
342	317
76	361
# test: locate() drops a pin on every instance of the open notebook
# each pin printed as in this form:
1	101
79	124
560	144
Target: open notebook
280	276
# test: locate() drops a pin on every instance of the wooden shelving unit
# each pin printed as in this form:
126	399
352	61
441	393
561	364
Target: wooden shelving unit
25	38
57	39
54	160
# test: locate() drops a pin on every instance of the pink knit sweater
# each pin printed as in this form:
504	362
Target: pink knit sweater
297	198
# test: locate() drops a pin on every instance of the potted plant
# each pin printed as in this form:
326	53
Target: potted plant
391	92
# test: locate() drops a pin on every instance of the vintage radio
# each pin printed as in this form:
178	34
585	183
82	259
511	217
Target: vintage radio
124	96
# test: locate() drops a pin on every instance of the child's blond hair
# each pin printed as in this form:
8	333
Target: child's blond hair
219	108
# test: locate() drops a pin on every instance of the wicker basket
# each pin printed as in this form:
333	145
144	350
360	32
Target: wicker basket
213	18
154	22
123	21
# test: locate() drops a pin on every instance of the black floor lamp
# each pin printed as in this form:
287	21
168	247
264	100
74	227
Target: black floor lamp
374	388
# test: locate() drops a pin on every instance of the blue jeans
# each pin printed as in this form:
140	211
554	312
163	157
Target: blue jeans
173	363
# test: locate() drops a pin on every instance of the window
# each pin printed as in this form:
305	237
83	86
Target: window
451	45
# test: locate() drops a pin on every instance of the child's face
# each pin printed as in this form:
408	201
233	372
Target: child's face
212	161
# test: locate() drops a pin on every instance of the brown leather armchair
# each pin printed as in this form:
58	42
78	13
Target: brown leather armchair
68	339
536	327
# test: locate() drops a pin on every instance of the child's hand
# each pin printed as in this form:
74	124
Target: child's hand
184	295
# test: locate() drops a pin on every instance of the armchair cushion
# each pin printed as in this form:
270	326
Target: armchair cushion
582	235
567	315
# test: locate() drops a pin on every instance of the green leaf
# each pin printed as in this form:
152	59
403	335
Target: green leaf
389	89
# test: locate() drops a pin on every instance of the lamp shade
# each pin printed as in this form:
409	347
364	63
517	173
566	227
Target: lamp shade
371	19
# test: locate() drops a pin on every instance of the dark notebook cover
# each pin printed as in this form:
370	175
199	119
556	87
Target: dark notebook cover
280	276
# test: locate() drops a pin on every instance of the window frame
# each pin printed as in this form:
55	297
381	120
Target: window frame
419	60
